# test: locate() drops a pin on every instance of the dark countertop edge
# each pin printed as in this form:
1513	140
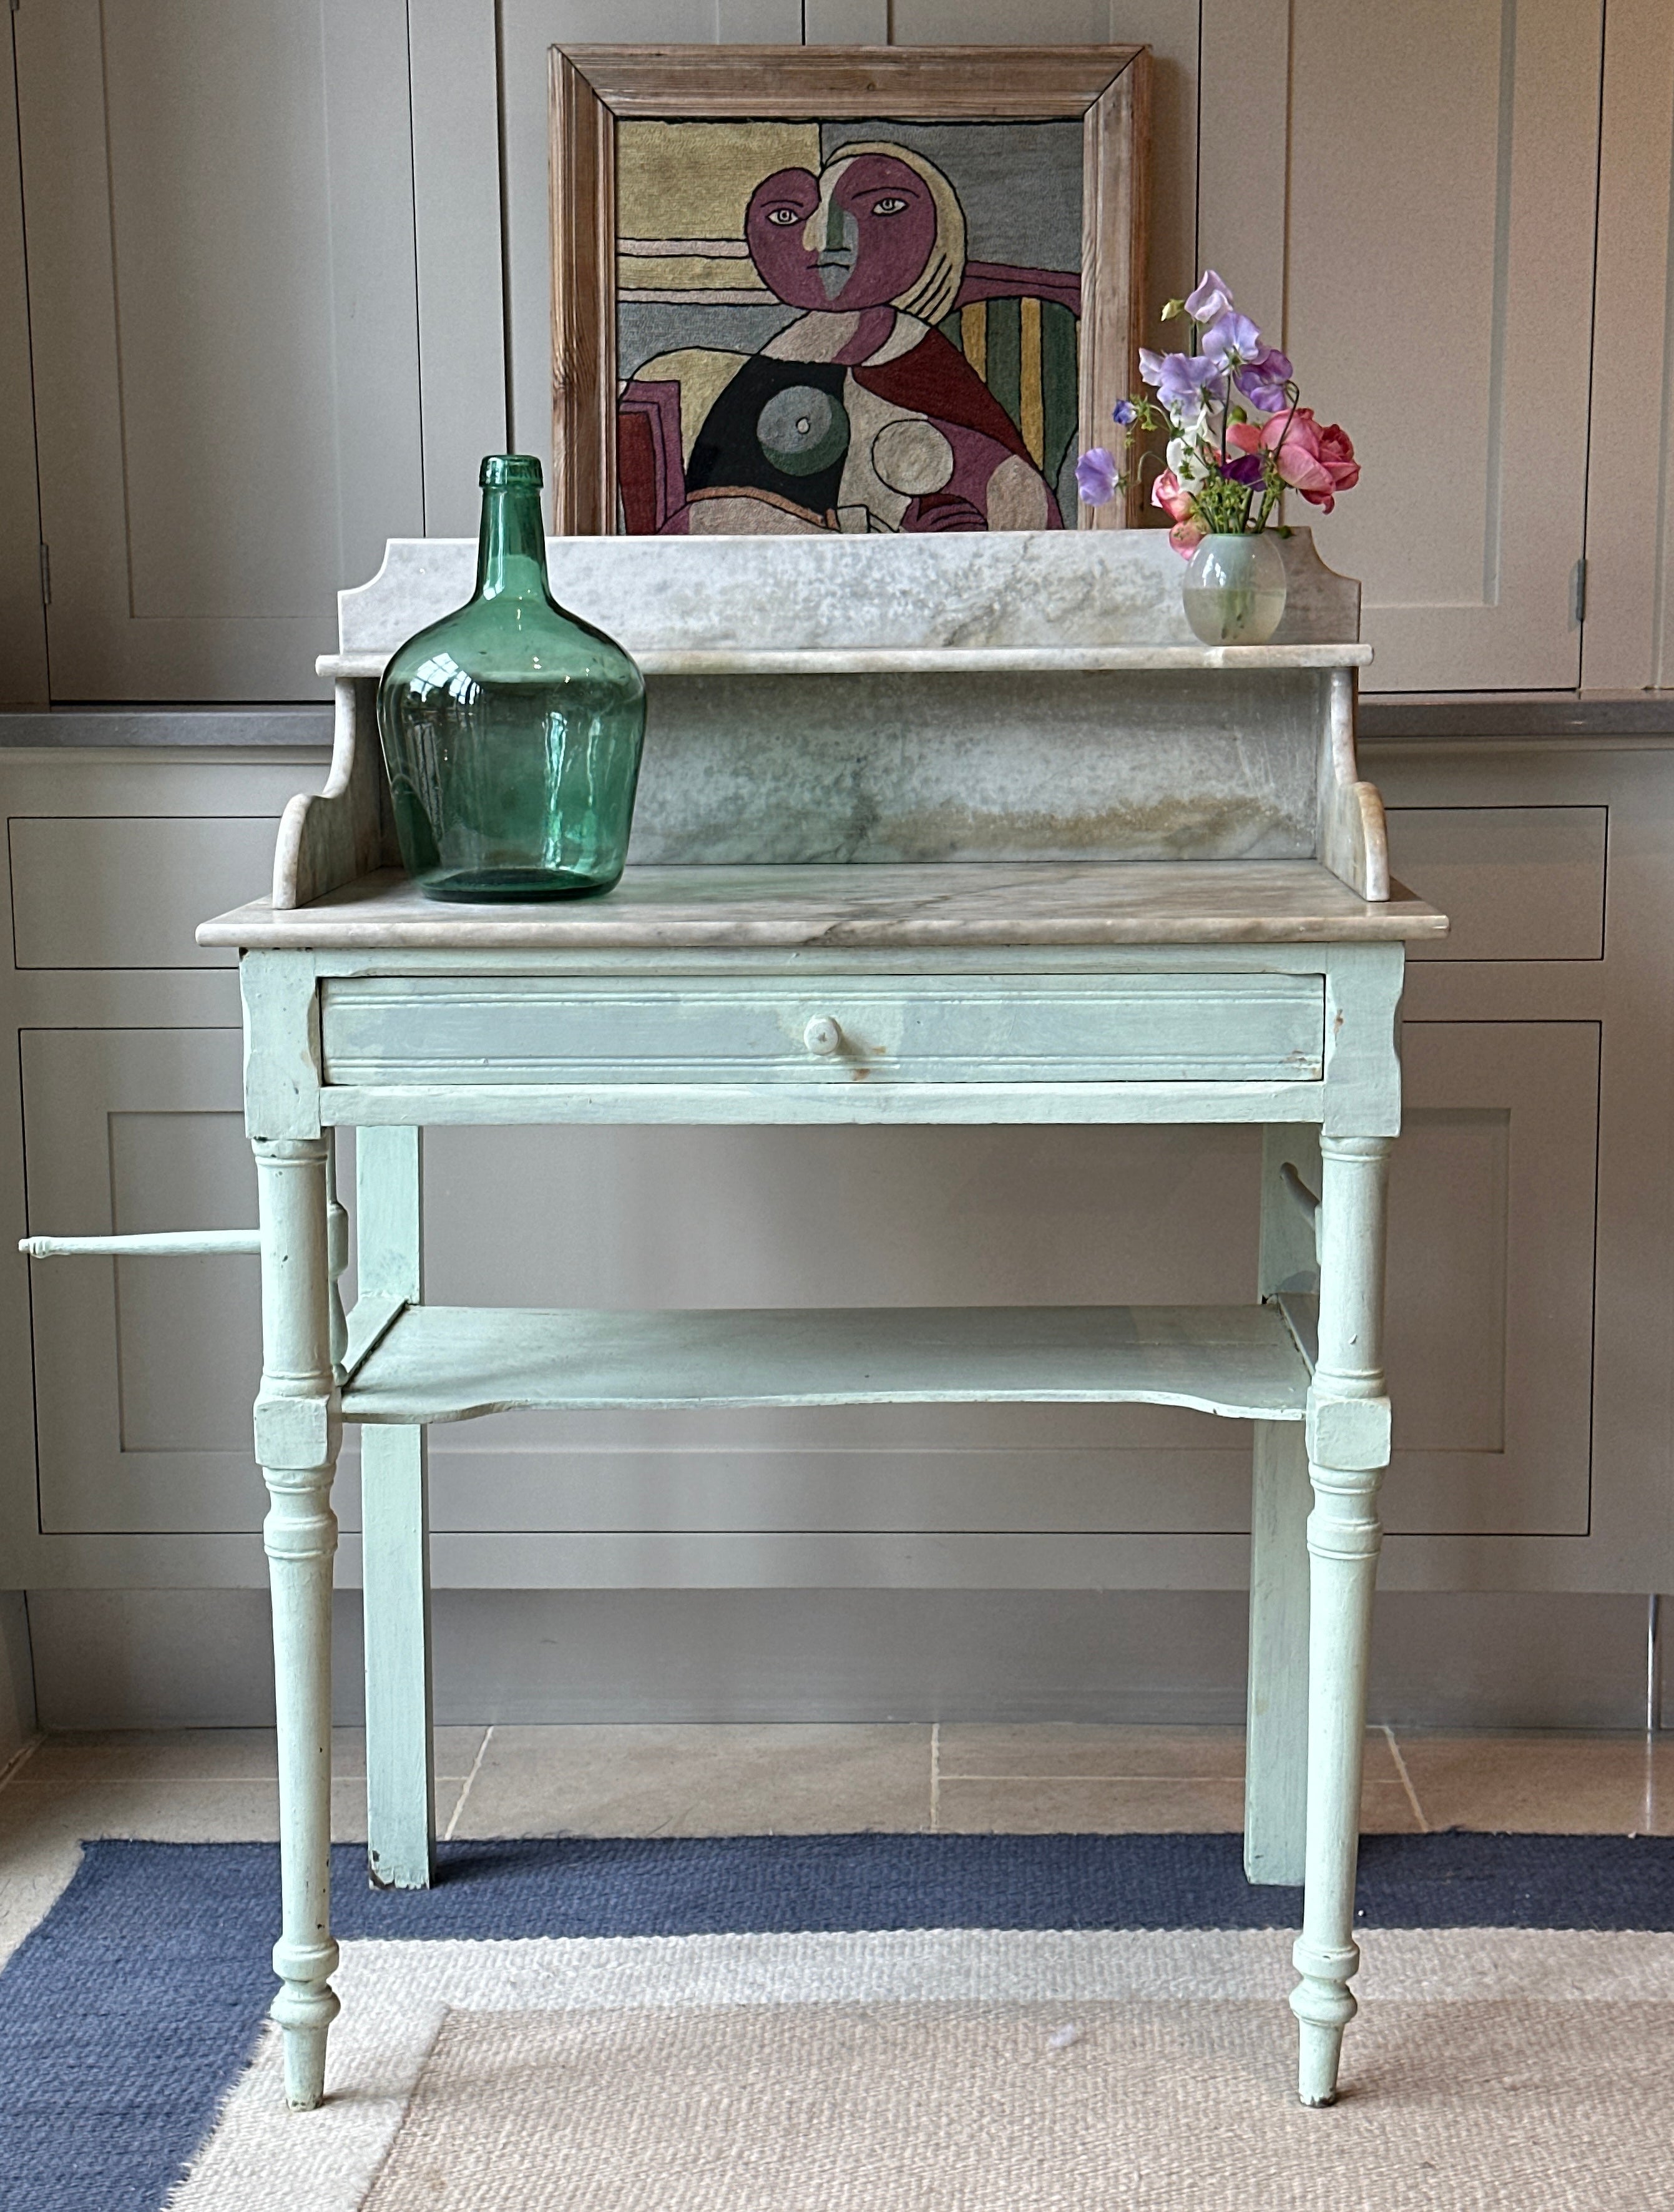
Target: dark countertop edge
1505	717
1387	718
231	728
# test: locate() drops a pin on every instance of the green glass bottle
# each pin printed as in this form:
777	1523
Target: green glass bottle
511	730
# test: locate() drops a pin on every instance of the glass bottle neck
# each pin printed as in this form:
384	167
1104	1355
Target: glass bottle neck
511	553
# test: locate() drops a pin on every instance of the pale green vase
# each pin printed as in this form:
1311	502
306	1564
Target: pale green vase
1235	588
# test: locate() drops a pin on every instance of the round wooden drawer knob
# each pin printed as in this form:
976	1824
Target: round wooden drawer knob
823	1035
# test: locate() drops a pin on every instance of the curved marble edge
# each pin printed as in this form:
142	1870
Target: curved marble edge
1027	905
940	659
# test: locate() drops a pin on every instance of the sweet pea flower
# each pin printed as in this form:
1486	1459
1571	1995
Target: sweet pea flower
1212	299
1337	455
1183	380
1317	463
1172	497
1294	446
1185	457
1263	381
1123	413
1097	475
1232	341
1186	537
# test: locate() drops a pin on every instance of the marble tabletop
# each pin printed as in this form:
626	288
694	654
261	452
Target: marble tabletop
878	908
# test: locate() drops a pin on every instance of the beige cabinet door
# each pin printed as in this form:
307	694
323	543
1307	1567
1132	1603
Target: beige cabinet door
1493	1221
218	198
1411	191
145	1370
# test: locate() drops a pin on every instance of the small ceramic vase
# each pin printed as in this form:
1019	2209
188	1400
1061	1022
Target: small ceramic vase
1235	588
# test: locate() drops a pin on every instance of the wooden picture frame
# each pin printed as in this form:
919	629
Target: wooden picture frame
593	88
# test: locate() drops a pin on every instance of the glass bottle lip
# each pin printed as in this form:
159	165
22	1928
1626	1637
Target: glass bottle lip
507	471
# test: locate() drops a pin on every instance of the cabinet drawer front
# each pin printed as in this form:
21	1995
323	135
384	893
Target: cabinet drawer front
397	1032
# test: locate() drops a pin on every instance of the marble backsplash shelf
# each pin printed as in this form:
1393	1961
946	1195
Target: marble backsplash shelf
941	659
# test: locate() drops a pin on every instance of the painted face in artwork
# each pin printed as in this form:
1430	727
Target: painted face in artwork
857	235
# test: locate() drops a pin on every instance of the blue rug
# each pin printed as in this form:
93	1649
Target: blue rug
127	2014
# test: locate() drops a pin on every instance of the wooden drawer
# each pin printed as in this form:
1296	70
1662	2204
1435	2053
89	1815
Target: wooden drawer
398	1031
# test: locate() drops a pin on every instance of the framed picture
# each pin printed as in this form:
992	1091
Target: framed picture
803	288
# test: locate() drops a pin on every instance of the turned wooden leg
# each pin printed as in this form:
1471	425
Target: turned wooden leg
1275	1732
297	1442
1348	1440
395	1543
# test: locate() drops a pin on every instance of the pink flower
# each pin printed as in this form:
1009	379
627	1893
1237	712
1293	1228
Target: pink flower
1317	463
1170	495
1336	454
1186	537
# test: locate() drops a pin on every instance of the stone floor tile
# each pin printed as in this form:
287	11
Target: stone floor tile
976	1749
213	1754
1084	1806
699	1781
1026	1805
1541	1783
1386	1809
203	1755
981	1750
173	1809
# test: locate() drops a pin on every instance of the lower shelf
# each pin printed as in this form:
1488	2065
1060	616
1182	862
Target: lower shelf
449	1362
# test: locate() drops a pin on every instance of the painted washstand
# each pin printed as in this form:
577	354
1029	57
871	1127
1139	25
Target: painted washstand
993	840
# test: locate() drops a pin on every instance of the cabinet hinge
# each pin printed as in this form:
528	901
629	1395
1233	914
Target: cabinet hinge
45	575
1579	583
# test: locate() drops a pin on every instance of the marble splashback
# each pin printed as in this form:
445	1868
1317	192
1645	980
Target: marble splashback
823	593
1207	765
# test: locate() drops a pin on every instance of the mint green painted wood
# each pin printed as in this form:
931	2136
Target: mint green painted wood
156	1244
1362	1090
297	1428
409	1364
395	1582
281	1045
981	1105
419	1032
394	1539
337	1258
388	1236
1275	1736
451	1363
1347	1441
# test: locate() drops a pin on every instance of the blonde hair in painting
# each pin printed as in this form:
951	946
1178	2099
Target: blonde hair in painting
933	291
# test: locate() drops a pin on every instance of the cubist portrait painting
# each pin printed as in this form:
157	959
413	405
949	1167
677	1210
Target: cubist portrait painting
847	326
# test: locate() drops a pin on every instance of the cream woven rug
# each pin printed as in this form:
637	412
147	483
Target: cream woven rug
974	2070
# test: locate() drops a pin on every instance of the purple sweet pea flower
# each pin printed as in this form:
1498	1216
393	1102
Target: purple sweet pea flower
1232	341
1246	470
1212	299
1263	381
1123	413
1098	474
1182	379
